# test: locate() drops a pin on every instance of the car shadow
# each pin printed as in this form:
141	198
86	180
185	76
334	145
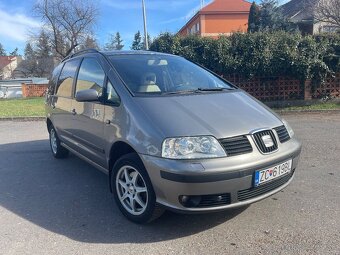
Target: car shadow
71	198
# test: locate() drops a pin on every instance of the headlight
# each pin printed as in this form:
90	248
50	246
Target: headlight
192	148
288	127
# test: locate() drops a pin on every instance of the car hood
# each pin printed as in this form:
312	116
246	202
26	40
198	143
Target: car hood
224	114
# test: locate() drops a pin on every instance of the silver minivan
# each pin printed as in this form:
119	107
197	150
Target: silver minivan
169	133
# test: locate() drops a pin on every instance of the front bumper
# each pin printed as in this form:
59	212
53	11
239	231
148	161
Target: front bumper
230	176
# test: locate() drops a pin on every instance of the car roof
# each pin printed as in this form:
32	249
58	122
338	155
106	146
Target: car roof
132	52
114	53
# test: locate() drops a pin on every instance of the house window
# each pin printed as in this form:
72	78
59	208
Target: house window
328	29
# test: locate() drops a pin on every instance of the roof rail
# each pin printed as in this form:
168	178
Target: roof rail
79	53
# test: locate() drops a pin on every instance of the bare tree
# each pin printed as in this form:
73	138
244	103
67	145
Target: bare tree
67	23
328	11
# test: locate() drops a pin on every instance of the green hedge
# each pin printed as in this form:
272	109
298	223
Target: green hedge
260	54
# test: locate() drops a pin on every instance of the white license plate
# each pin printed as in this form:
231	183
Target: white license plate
273	173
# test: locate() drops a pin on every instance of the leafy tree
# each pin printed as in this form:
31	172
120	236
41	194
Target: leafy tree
115	43
254	18
149	42
90	43
137	42
2	50
43	55
268	17
39	59
29	52
14	52
29	65
271	17
259	54
43	47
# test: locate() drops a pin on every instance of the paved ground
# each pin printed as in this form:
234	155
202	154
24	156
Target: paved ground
50	206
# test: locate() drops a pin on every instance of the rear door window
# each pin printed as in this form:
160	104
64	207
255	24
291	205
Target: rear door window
54	80
91	76
66	78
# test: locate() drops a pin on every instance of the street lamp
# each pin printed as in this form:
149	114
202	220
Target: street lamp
146	43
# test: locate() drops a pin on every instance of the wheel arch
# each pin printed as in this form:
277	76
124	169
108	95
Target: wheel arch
49	124
118	149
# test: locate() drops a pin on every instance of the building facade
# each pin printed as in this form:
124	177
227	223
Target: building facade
302	13
8	65
221	17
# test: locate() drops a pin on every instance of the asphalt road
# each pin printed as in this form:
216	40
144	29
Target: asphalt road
50	206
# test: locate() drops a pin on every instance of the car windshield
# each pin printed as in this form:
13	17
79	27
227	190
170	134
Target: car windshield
165	74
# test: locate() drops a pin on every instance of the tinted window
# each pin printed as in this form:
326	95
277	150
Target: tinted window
53	80
66	78
90	76
163	74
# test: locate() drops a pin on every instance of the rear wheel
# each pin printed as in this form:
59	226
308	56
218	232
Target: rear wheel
58	151
133	190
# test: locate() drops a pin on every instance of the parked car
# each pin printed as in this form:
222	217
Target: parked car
168	133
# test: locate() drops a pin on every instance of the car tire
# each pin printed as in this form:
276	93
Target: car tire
133	191
57	149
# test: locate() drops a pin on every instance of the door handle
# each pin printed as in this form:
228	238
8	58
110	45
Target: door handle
73	112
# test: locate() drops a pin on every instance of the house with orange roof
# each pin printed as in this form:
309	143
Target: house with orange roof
221	17
8	65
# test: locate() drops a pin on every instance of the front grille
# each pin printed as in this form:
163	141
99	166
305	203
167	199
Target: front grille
282	133
265	188
236	145
214	200
260	143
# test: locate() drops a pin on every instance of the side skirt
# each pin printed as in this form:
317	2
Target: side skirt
102	169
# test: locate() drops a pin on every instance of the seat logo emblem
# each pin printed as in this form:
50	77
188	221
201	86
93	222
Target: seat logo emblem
268	141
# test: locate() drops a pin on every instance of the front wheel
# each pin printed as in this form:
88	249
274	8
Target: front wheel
58	151
133	190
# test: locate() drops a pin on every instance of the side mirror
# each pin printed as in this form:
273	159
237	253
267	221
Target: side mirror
87	95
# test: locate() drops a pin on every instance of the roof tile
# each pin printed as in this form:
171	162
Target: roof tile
227	6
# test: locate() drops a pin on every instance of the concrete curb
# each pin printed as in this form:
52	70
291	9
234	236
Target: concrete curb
37	118
335	111
28	118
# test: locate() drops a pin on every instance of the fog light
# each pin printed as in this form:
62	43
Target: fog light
184	199
190	201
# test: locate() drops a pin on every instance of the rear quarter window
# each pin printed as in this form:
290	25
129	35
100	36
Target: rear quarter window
66	78
54	80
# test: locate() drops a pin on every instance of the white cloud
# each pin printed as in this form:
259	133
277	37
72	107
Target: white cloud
15	26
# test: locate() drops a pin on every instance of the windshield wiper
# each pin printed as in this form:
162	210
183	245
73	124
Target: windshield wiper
195	91
178	92
212	89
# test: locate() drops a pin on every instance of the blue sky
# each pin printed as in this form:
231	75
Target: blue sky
125	16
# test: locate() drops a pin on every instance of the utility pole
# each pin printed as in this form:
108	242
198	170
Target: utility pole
146	42
202	4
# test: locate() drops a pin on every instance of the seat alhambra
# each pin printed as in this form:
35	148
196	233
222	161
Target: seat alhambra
169	133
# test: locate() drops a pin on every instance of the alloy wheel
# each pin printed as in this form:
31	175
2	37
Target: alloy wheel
131	190
53	138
